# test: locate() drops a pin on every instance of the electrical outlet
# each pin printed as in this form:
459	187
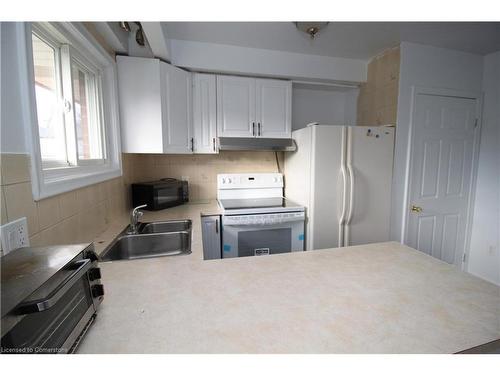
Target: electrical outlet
14	235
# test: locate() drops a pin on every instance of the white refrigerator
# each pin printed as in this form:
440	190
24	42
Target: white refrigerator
343	176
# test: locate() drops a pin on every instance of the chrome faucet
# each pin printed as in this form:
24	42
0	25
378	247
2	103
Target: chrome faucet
134	219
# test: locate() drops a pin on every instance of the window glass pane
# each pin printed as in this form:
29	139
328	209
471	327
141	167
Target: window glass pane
87	119
48	104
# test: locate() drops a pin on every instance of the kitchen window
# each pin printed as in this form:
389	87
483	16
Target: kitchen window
73	129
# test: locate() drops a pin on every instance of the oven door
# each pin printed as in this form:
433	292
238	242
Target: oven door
53	318
248	235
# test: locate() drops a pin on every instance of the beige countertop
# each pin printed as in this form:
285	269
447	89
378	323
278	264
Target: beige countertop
378	298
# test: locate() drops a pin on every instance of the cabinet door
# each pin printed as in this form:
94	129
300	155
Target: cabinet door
139	92
273	108
204	114
177	124
210	227
235	106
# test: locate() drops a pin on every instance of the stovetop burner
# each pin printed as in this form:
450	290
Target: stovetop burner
253	193
259	205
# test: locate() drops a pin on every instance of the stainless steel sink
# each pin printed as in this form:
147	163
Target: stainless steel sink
138	246
157	239
165	226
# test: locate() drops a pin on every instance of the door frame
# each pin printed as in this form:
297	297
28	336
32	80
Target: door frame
478	97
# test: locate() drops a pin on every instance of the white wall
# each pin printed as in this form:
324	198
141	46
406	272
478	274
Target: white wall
484	257
323	105
427	67
261	62
11	132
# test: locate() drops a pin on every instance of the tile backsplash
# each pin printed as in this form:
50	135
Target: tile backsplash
81	215
73	217
378	97
200	170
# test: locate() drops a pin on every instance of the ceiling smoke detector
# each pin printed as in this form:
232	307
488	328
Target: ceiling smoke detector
311	28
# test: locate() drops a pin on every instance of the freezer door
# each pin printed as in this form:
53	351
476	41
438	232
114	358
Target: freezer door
327	188
369	165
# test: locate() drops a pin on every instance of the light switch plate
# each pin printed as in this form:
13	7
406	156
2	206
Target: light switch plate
14	235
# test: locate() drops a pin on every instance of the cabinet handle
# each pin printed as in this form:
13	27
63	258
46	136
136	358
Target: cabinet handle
253	129
192	144
214	143
216	225
260	129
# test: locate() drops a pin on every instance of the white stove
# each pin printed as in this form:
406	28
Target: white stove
257	219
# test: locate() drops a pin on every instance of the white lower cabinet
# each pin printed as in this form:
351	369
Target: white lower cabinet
211	236
204	114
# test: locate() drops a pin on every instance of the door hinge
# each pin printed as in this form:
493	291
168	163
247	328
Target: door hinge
463	258
475	123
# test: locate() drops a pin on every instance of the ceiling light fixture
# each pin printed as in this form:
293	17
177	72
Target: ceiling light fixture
311	28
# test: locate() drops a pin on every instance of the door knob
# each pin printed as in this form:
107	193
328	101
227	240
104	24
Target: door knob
416	209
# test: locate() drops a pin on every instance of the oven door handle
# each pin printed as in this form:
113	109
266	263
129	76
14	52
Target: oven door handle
262	223
38	305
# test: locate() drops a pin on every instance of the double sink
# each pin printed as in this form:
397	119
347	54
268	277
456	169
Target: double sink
162	238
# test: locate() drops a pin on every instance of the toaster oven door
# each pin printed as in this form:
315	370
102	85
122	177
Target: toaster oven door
54	317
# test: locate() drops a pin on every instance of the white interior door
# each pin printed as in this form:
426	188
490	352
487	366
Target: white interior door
443	141
370	156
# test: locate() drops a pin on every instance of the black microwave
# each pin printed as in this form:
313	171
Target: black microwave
164	193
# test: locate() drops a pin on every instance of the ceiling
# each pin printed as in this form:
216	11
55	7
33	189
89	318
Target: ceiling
361	40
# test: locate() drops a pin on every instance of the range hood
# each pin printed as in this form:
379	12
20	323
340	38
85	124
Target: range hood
257	144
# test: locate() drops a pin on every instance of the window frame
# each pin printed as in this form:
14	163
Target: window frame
56	46
74	37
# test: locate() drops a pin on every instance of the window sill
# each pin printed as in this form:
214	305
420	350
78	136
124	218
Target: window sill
63	183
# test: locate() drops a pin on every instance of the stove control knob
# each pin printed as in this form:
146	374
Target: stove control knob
97	290
229	181
91	255
94	274
223	180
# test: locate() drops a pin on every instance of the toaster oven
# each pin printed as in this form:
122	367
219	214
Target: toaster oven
50	297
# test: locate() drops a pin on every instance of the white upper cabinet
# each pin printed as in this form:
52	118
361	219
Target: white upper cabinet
155	106
164	109
235	106
273	108
177	123
140	94
204	114
250	107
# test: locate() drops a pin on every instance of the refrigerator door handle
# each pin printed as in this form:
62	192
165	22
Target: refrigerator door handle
350	171
344	194
343	212
344	187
